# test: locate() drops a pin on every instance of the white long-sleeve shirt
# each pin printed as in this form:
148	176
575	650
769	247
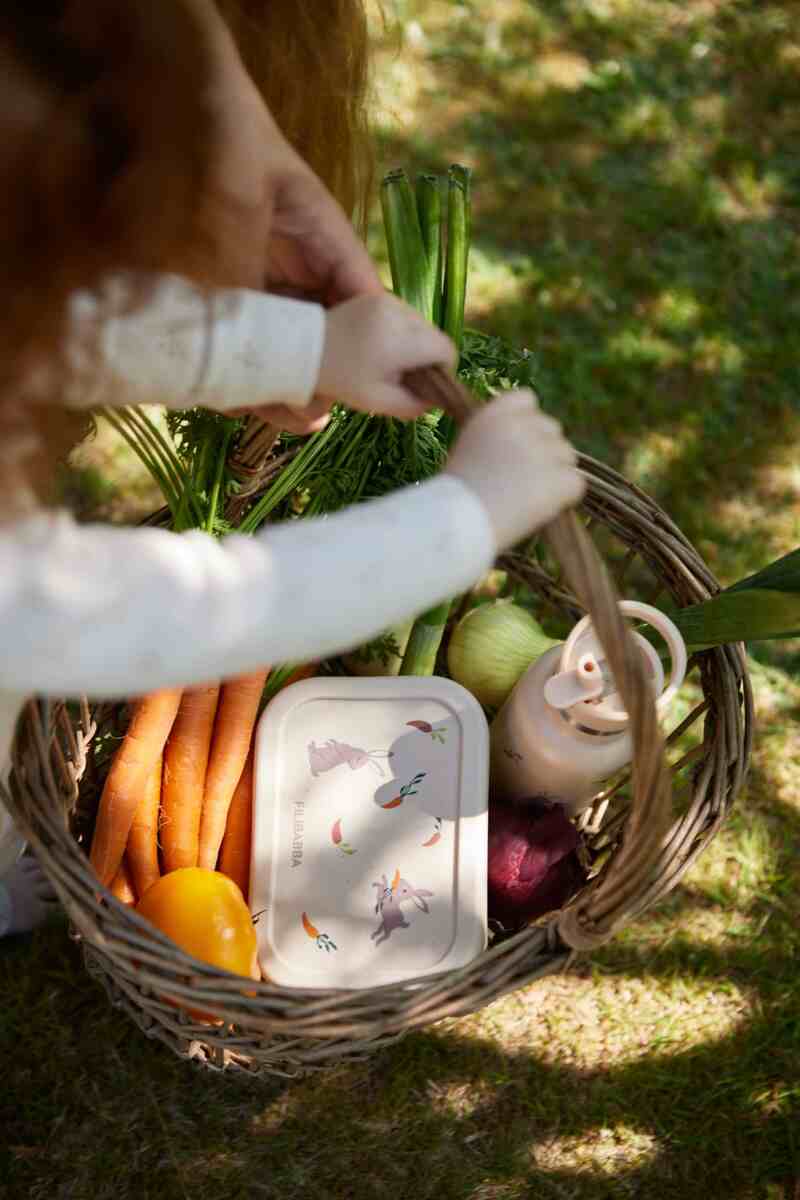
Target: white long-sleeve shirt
116	612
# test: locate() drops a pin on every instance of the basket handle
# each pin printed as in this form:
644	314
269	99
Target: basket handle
616	894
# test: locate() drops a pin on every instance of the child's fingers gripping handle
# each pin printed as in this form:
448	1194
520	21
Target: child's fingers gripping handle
437	388
612	898
513	456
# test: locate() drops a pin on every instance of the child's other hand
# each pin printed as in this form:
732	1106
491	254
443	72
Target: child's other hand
28	898
519	464
302	421
370	343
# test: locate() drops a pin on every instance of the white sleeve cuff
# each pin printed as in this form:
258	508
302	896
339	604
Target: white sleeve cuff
223	350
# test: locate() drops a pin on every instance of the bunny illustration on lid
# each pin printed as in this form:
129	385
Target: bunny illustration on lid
370	831
563	730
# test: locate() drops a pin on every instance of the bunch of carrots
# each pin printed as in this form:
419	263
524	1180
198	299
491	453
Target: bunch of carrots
179	792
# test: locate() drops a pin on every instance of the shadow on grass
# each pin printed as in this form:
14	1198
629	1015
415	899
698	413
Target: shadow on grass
642	212
481	1109
644	220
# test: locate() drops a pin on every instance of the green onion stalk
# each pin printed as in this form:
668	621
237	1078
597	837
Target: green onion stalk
408	259
459	233
429	210
447	309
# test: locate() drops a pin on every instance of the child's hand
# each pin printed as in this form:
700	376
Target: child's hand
163	137
26	897
370	343
518	463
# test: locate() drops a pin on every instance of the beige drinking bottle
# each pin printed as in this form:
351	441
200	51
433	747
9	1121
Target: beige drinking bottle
562	731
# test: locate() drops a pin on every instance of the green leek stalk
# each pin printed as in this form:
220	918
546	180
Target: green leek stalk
459	229
411	279
755	616
426	638
762	607
429	211
428	631
457	263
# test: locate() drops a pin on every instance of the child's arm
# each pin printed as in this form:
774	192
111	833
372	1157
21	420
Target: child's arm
182	346
234	349
122	611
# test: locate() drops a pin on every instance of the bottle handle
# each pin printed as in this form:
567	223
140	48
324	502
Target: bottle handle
589	678
675	644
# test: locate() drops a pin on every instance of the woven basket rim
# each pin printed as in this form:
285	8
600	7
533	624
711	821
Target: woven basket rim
276	1029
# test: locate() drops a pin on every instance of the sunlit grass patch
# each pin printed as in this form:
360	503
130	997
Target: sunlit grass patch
105	480
496	280
636	182
610	1151
639	347
676	310
718	355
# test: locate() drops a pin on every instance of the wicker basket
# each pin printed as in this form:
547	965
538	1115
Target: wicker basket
642	833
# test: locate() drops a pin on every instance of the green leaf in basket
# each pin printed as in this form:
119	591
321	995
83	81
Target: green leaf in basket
741	615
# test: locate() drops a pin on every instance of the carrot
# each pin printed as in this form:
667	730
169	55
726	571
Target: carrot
141	749
306	671
142	851
234	857
122	884
183	782
233	733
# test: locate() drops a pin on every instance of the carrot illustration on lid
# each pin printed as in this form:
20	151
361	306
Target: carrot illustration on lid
324	942
336	838
408	789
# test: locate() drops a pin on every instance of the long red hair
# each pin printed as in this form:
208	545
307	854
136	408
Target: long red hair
309	60
58	231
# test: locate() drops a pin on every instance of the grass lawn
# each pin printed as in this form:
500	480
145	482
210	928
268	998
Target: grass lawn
636	226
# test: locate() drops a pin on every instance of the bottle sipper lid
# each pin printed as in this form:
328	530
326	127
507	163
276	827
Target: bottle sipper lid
584	685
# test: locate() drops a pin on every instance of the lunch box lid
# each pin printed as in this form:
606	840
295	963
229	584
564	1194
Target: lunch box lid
370	831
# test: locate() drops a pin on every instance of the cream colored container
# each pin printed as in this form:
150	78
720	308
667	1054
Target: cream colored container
369	831
563	730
